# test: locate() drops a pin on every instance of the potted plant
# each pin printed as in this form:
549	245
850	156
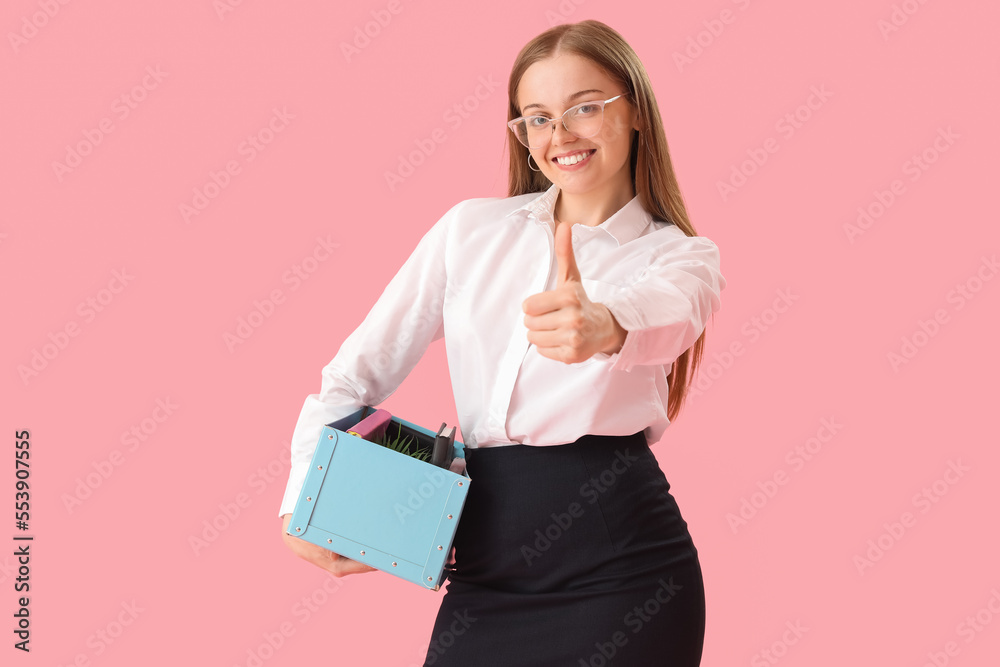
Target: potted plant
403	443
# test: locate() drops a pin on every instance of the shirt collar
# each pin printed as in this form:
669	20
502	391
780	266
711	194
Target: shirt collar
624	225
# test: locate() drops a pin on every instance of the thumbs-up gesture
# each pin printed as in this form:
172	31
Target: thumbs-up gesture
564	324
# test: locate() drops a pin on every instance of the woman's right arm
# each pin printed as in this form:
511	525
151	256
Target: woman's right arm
371	364
317	555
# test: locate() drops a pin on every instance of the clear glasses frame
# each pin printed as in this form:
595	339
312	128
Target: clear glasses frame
551	122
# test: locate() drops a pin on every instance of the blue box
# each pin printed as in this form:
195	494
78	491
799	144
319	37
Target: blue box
380	507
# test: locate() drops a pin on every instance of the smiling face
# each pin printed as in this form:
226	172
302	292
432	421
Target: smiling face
551	86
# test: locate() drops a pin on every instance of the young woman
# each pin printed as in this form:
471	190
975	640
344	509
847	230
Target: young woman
573	313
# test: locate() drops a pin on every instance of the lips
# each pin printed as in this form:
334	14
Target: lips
584	153
578	159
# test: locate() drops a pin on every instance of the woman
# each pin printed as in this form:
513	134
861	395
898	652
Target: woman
573	313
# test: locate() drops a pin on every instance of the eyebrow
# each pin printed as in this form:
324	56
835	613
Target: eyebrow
568	99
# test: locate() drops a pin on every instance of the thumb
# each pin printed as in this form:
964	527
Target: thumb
566	268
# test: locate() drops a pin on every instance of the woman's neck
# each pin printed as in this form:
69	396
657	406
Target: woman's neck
591	208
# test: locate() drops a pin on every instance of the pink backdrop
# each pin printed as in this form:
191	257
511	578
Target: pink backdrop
173	172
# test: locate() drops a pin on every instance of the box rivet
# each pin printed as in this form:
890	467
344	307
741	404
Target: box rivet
430	579
362	552
440	548
308	497
298	530
319	467
329	437
449	516
394	563
329	541
460	483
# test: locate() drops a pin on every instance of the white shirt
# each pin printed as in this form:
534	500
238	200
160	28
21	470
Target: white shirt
466	280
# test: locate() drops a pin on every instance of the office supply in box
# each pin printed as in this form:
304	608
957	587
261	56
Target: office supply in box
382	507
444	447
373	426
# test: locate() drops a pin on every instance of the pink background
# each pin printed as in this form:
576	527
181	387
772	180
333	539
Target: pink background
160	335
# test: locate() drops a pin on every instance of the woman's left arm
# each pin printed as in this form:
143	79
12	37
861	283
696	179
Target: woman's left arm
664	307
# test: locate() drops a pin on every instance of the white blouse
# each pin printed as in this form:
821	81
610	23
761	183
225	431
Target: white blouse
466	280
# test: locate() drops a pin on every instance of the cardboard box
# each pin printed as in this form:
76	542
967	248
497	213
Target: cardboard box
381	507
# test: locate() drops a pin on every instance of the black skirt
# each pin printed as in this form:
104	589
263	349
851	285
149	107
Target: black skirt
570	555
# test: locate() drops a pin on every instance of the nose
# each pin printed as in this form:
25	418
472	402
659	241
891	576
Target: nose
560	134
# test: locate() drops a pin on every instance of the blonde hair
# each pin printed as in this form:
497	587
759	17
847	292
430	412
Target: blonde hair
651	170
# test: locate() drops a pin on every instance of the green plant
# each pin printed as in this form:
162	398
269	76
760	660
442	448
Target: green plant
401	444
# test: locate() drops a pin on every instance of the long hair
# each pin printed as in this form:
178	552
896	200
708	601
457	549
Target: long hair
649	158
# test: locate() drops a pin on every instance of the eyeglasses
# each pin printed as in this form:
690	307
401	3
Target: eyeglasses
584	121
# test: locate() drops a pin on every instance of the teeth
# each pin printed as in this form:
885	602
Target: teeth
573	159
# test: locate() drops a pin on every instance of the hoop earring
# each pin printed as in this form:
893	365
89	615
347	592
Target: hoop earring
529	164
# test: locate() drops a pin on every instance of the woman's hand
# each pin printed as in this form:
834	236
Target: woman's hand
564	324
317	555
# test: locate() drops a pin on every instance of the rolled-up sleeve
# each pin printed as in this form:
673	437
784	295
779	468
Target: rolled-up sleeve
374	360
666	304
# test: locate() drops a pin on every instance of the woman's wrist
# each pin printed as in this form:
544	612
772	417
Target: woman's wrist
616	339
